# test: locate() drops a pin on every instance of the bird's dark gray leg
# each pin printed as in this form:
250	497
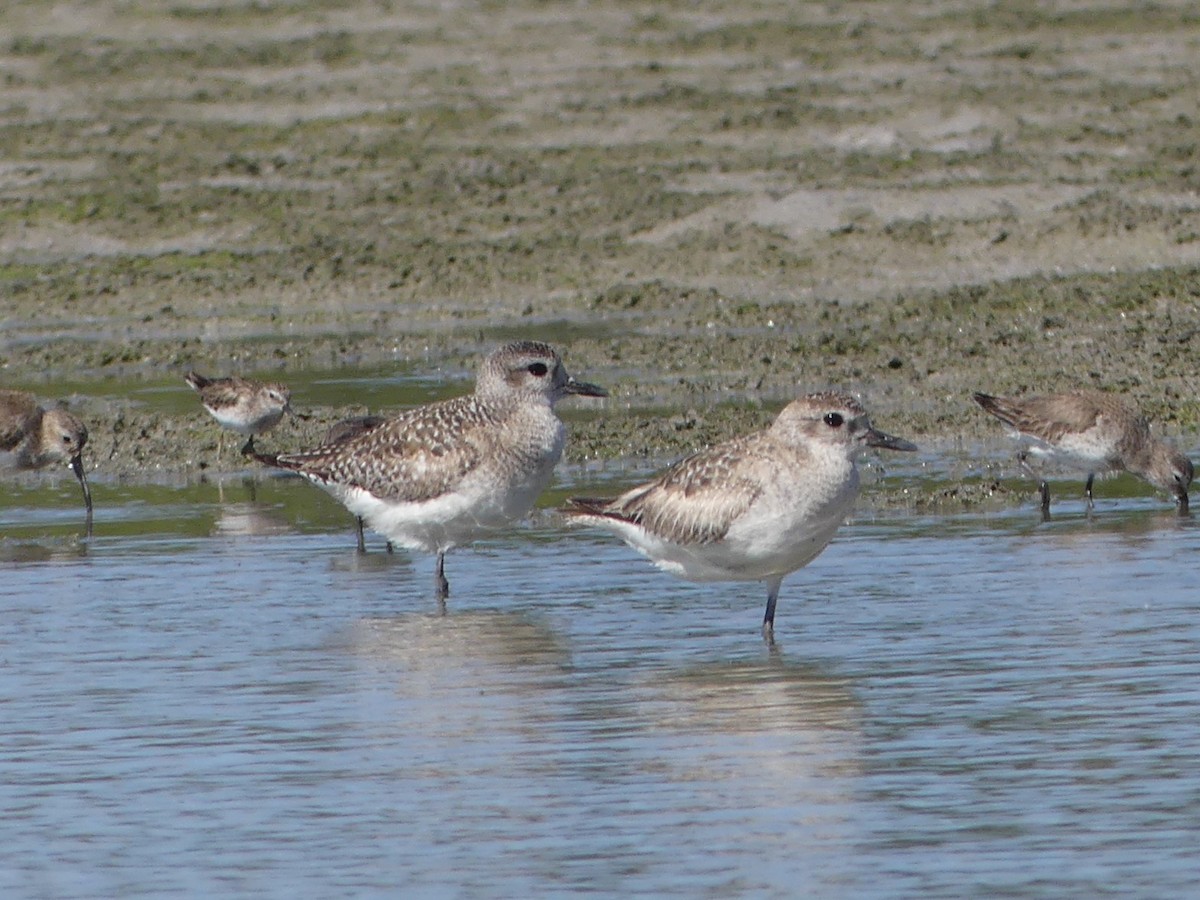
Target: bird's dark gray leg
441	586
1043	487
248	447
1088	489
768	626
362	544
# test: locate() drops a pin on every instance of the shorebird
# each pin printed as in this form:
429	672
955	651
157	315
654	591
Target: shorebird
1094	432
444	474
346	430
241	405
36	437
754	508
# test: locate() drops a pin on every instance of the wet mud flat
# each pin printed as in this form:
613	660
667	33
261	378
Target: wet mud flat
707	209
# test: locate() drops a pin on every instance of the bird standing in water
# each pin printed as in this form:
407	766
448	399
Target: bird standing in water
753	508
437	476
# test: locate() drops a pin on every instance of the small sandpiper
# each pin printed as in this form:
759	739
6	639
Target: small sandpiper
241	405
440	475
346	430
1094	432
36	437
754	508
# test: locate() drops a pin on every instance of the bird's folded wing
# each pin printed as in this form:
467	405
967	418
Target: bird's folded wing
696	500
1047	418
1053	420
417	456
223	393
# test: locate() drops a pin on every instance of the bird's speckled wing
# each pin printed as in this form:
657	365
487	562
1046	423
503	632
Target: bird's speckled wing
224	393
349	429
1050	417
696	500
17	411
416	456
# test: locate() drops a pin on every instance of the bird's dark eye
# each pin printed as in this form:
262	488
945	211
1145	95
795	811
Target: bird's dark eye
538	369
66	439
834	420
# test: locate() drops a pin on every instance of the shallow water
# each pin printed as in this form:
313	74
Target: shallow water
217	695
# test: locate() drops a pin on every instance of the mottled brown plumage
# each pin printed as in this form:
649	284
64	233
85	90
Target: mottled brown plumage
17	412
348	429
418	455
695	500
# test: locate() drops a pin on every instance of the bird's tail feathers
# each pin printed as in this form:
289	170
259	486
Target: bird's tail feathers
268	459
196	381
997	406
588	506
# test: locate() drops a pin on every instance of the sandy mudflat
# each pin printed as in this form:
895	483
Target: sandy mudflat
708	207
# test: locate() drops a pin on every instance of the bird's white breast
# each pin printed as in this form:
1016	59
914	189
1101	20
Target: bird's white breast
1085	450
789	523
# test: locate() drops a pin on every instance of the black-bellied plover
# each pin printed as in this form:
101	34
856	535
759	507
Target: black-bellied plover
241	405
441	475
36	437
1093	432
753	508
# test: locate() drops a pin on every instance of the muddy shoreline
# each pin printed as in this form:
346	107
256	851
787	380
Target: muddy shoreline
707	212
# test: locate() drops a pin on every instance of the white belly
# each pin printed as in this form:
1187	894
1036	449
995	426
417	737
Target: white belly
777	535
1080	452
235	420
490	497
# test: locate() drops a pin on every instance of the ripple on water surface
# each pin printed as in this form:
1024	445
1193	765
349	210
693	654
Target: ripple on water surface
218	694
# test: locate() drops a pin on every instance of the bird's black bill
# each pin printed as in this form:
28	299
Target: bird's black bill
583	389
77	468
887	442
1182	497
